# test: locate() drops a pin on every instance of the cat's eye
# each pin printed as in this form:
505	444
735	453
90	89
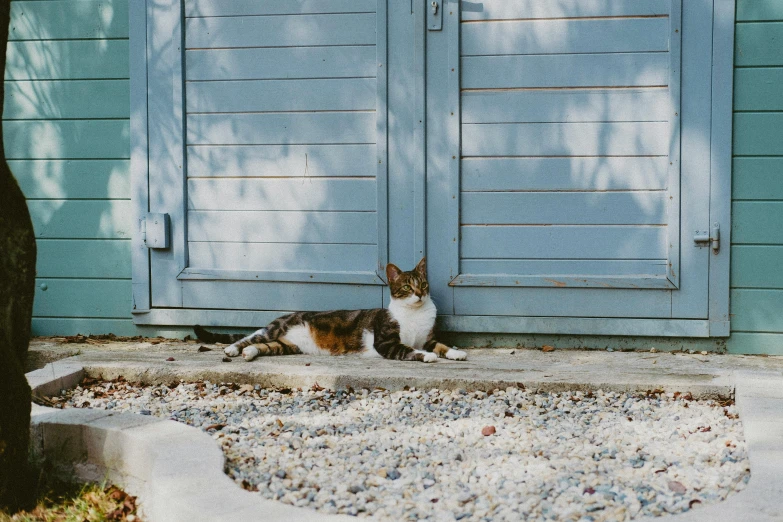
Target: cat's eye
424	286
406	288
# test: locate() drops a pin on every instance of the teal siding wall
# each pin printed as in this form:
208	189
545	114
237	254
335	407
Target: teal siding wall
757	192
66	126
66	134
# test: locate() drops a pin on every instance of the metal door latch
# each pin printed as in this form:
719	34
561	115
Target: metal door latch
155	230
435	16
702	238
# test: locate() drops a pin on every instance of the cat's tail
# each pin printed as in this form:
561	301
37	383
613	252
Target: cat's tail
211	337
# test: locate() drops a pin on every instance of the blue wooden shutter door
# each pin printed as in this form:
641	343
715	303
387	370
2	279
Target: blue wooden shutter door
283	155
565	124
552	159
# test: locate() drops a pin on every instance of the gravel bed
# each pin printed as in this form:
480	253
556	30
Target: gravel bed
454	455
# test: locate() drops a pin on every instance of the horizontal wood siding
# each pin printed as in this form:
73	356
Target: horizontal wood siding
66	112
565	138
281	137
757	191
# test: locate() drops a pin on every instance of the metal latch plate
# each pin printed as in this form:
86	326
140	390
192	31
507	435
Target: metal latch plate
712	238
157	228
434	14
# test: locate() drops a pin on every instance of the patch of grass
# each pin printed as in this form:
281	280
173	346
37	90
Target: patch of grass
62	502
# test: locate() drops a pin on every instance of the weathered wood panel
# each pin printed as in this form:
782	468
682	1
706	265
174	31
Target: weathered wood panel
67	60
60	20
563	242
565	36
283	227
566	267
84	258
78	179
67	139
757	178
758	89
282	161
82	298
281	63
757	134
574	173
343	94
560	106
564	208
566	139
83	99
278	128
757	266
759	10
282	194
194	8
283	256
280	31
81	219
562	302
757	222
532	9
566	70
234	295
758	44
757	310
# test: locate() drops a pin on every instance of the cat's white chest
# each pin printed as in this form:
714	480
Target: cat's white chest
415	323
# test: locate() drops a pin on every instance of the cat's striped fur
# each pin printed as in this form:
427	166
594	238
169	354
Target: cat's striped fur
404	331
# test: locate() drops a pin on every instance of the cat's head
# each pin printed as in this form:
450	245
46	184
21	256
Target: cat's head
411	288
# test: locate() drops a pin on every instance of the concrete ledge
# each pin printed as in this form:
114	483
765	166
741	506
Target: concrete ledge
174	469
177	470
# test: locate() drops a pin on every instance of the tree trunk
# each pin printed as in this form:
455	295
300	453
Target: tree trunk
17	287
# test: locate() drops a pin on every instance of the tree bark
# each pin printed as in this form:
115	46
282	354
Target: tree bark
17	287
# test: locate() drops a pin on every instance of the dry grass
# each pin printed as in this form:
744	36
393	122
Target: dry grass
85	503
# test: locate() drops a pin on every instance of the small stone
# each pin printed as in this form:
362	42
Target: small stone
512	352
465	497
488	430
610	349
705	352
170	359
677	487
653	350
226	359
547	348
356	489
204	349
145	412
381	472
392	474
281	474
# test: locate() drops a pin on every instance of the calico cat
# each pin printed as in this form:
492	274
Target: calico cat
404	331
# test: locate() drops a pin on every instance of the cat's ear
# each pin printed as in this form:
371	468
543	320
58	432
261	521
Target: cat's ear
421	268
392	272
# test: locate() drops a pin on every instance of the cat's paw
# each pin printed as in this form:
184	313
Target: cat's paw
456	355
250	353
430	357
231	351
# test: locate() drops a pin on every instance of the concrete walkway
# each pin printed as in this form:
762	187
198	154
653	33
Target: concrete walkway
112	443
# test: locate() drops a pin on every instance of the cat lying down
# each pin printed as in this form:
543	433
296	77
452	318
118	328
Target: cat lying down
404	331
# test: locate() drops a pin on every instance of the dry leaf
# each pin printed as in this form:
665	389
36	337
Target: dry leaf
547	348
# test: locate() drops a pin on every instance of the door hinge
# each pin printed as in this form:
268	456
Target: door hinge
702	237
155	230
